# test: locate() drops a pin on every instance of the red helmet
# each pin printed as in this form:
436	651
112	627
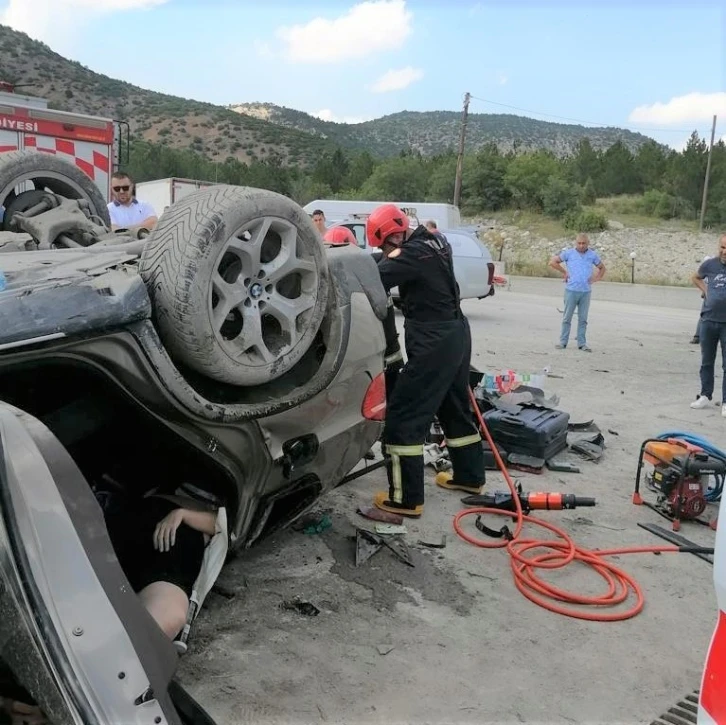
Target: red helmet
340	235
385	220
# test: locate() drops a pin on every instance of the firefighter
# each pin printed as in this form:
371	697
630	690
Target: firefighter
393	361
434	382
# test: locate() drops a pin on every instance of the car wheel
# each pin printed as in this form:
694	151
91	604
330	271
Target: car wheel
238	279
35	172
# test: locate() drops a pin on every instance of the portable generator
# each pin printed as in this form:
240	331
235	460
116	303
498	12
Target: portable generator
680	476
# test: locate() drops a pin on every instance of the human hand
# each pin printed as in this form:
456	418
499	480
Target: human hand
165	531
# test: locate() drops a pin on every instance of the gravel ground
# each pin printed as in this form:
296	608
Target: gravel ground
451	640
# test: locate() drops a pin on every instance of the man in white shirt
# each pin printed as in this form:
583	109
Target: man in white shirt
126	210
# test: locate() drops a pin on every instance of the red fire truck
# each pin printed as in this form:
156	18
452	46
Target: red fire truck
90	144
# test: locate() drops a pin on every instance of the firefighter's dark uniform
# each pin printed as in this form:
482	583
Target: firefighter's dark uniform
435	379
393	361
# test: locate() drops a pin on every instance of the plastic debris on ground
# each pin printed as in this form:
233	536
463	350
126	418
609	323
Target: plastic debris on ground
314	523
390	529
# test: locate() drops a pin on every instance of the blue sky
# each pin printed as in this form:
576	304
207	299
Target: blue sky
659	67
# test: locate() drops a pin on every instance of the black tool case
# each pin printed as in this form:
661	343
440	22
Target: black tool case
532	431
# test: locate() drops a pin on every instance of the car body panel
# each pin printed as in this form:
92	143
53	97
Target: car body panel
86	642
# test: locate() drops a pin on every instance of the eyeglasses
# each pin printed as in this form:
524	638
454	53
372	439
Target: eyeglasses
126	187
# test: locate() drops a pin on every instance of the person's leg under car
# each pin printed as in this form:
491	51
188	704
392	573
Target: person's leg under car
463	440
434	357
166	578
167	604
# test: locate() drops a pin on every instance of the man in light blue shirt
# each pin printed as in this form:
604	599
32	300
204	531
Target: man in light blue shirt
126	210
579	278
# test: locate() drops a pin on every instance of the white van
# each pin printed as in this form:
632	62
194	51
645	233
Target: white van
473	263
446	216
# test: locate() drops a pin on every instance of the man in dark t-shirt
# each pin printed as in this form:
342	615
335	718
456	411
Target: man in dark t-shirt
711	280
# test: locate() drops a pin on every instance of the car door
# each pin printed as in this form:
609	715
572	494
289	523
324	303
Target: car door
72	631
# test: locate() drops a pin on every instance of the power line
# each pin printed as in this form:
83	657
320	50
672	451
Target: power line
579	120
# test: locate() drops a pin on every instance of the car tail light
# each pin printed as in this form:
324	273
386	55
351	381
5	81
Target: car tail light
374	403
490	265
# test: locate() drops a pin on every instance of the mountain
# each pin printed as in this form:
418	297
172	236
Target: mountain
434	132
264	131
212	130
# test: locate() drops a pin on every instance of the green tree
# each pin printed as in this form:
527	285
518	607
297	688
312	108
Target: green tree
331	170
483	185
360	168
559	196
528	175
586	163
442	179
619	175
397	179
651	163
686	172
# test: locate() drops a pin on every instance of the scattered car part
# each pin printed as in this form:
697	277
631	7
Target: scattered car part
366	545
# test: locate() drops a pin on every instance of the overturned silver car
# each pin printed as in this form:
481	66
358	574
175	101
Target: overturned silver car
228	350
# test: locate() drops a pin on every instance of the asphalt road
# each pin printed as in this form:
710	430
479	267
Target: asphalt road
452	639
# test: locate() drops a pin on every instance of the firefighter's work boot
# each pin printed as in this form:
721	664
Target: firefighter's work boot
446	480
381	501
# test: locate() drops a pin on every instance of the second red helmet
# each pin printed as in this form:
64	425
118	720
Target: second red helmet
340	235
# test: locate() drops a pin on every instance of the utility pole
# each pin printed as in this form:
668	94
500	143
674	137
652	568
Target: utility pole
708	174
460	159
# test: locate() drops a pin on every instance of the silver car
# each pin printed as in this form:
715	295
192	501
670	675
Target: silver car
473	263
230	349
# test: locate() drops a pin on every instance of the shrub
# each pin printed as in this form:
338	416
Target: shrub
559	197
585	221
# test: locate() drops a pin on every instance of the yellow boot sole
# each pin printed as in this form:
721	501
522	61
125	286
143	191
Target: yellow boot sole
445	480
381	501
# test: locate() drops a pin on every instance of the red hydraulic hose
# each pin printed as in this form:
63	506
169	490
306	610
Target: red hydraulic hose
557	554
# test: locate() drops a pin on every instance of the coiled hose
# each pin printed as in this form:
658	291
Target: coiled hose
528	556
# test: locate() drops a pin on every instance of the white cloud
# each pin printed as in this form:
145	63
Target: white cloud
503	79
692	107
327	115
363	30
397	80
57	22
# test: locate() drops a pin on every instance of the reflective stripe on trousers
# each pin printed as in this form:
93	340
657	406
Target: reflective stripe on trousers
396	452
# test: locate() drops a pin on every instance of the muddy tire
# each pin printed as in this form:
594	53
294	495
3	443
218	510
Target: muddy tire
38	170
238	280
